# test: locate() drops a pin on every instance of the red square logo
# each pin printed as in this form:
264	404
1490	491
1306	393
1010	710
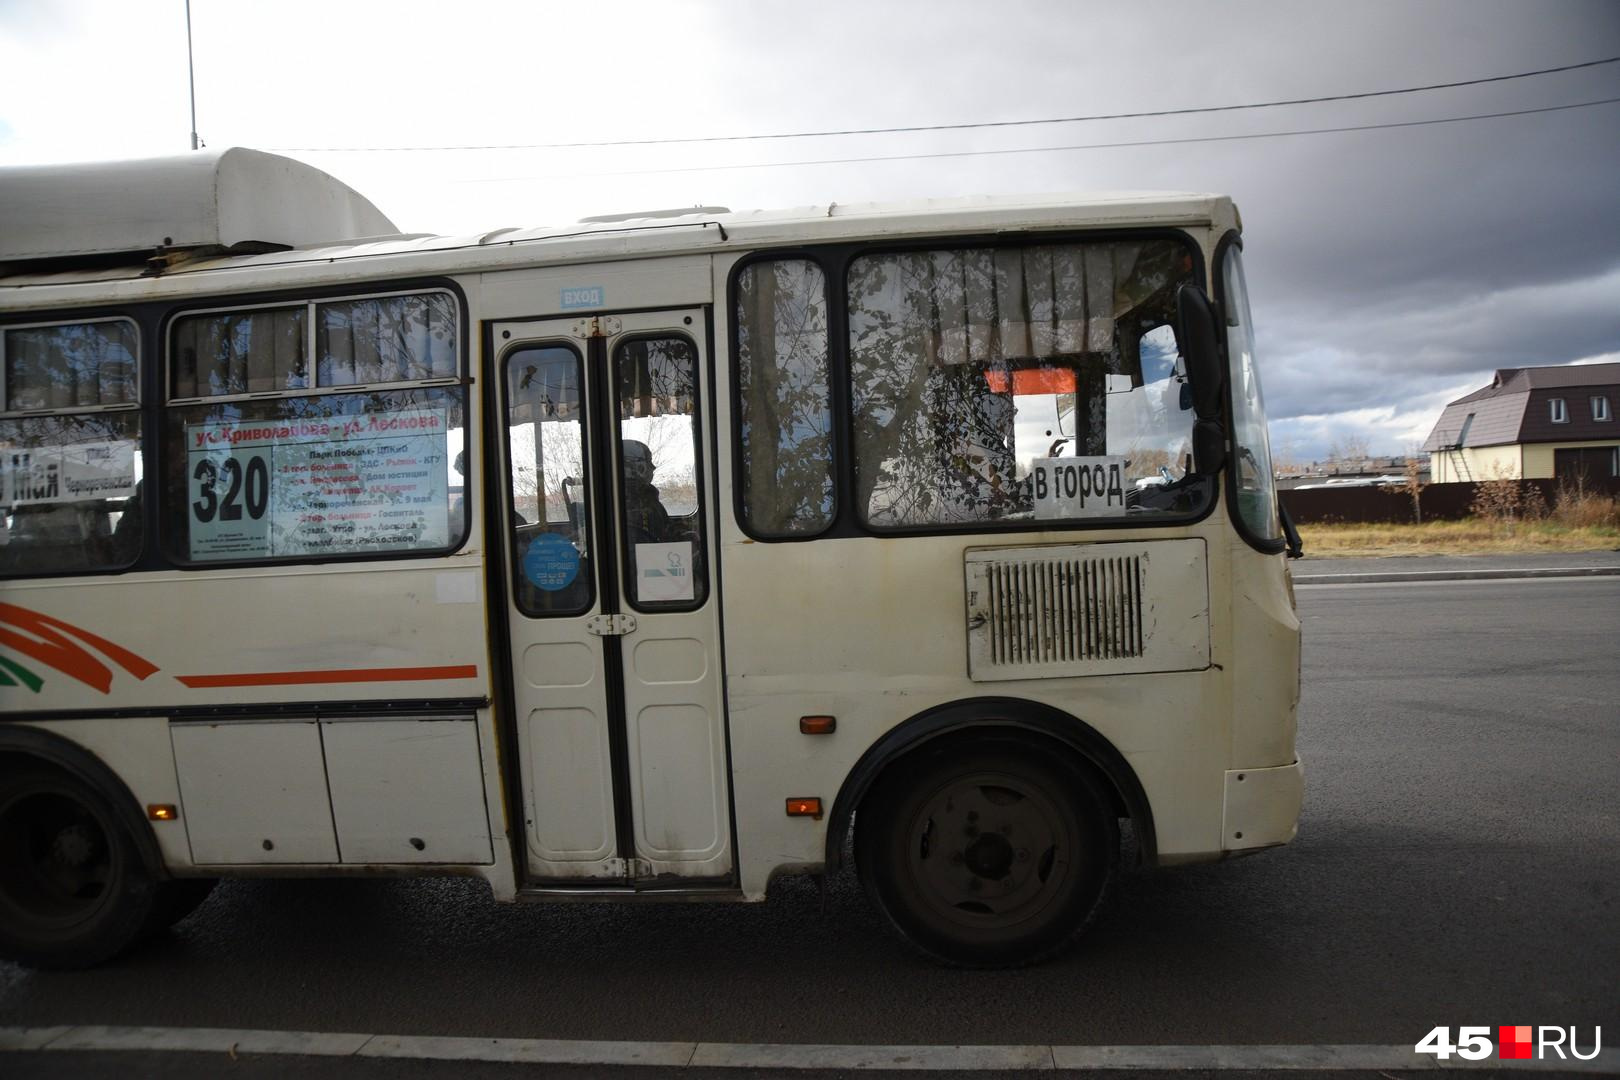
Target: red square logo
1513	1043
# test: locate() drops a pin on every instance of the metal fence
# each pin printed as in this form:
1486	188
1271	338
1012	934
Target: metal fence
1441	502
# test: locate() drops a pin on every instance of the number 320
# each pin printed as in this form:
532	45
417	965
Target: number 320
251	486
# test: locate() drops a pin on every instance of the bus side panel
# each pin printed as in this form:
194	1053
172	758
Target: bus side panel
1265	674
238	653
873	632
274	634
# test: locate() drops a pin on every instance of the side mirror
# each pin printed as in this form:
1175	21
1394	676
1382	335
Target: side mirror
1209	446
1195	333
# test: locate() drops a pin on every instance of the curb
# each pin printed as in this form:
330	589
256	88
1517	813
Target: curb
773	1058
1456	575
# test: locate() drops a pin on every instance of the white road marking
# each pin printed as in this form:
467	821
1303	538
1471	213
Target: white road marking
19	1038
1505	573
1388	581
1258	1058
540	1051
824	1056
221	1040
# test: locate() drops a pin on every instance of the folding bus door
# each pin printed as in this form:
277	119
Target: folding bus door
614	624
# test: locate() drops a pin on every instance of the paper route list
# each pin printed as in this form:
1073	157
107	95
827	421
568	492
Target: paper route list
263	489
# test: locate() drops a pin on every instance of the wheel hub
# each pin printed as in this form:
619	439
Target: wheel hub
989	856
73	846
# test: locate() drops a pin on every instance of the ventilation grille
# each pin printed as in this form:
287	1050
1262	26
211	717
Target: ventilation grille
1062	610
1109	608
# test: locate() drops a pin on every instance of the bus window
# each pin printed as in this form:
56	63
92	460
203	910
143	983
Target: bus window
784	398
387	339
69	478
546	445
313	472
973	368
658	482
253	352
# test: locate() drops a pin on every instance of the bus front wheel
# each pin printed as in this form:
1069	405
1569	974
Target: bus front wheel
73	888
988	854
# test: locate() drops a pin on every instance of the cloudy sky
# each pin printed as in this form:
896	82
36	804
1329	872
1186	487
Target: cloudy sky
1392	269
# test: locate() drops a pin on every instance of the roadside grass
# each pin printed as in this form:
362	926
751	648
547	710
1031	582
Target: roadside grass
1474	536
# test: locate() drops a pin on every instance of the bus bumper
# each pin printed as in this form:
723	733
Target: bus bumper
1261	808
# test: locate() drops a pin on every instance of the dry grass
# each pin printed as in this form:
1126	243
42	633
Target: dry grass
1475	536
1577	508
1508	517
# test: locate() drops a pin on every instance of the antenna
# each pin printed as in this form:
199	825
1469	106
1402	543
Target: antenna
191	80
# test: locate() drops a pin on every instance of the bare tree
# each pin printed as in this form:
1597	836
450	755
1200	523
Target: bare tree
1411	483
1349	449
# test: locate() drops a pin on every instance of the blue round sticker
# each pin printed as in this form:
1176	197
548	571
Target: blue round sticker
551	563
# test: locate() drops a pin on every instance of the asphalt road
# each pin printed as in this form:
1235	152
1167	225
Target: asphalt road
1458	863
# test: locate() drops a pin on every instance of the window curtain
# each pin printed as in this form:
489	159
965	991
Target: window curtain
82	365
249	353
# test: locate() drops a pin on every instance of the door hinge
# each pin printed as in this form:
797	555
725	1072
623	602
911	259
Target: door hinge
629	868
611	625
597	326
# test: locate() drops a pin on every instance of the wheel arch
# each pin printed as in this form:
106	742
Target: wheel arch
48	748
994	715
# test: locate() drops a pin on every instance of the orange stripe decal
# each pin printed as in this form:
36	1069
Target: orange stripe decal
347	675
50	645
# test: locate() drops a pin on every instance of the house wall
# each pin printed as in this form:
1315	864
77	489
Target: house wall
1538	458
1480	463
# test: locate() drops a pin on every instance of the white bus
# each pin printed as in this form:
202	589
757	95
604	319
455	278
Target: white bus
643	558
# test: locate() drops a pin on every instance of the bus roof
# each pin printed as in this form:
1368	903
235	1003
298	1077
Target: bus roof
213	200
367	255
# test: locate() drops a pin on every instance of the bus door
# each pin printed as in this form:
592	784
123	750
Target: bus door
614	625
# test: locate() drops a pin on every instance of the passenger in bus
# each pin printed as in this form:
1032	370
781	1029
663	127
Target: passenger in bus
458	505
125	544
644	513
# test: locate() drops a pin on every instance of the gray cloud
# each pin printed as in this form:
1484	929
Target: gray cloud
1387	268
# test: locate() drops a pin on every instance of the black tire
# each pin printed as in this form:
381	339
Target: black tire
73	888
988	854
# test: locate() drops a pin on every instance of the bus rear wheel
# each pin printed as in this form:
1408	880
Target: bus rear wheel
73	888
988	855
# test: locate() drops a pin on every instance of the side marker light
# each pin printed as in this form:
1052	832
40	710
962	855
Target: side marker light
810	808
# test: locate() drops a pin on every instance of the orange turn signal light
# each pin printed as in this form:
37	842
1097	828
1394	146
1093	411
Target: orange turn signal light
818	725
162	812
810	808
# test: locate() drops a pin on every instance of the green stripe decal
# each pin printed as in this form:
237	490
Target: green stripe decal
23	675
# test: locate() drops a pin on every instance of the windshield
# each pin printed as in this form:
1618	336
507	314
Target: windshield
1256	502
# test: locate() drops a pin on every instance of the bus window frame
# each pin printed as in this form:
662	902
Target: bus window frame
145	447
835	261
462	380
835	326
615	425
70	320
1265	546
504	479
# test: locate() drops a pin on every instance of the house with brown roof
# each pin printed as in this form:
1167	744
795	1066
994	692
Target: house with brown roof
1530	423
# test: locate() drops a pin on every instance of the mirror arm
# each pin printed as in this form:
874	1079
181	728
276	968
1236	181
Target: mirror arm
1296	546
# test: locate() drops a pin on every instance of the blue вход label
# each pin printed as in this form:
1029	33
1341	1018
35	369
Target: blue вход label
583	297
